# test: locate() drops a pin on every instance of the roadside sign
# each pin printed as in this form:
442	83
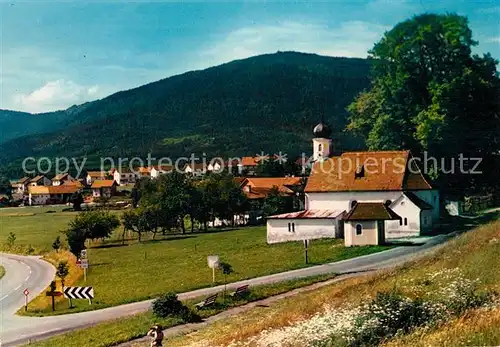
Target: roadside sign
83	253
53	293
78	262
213	261
26	292
84	263
79	292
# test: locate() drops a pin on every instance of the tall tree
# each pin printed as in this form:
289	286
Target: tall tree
89	225
429	93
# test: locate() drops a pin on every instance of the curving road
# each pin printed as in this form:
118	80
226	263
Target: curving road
35	274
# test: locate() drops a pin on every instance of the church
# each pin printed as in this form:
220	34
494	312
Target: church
365	198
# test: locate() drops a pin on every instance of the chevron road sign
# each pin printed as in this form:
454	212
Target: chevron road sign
79	292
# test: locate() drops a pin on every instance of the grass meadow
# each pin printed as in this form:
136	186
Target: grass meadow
125	329
133	271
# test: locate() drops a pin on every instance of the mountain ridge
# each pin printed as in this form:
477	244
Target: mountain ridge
267	102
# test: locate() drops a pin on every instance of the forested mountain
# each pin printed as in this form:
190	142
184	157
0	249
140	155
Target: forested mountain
268	102
14	124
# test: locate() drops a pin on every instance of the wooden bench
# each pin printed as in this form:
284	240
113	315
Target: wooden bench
240	291
207	302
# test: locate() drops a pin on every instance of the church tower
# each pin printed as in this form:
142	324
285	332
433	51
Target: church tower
321	142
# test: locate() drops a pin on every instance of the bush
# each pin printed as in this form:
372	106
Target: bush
387	315
168	305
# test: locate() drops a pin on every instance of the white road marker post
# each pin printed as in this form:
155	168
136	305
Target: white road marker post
26	293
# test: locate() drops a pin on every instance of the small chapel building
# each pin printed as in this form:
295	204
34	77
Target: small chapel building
364	197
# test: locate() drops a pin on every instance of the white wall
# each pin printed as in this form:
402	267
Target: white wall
38	199
305	229
369	235
342	200
321	148
405	208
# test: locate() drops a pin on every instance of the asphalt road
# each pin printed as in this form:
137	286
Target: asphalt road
36	274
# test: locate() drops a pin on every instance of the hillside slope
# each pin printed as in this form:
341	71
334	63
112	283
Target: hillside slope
268	102
14	124
458	285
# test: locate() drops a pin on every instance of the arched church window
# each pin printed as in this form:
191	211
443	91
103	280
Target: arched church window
359	229
320	147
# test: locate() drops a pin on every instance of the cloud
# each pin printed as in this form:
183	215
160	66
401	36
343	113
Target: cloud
493	39
349	39
56	95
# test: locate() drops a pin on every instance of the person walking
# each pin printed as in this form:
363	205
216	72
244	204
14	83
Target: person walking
156	332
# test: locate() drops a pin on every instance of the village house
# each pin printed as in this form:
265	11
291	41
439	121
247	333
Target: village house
20	187
124	175
195	169
43	195
158	170
94	176
59	179
40	180
366	197
104	188
248	166
260	187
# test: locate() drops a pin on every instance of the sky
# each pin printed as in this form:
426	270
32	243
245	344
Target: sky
54	54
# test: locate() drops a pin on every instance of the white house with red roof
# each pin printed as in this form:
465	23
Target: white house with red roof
366	197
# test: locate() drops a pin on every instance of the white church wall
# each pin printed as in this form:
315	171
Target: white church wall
278	230
343	200
405	208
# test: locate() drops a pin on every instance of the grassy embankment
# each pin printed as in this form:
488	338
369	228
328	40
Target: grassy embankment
138	271
126	329
2	271
473	255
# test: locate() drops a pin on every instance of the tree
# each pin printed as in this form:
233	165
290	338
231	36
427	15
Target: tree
142	220
89	225
275	203
5	186
56	245
77	201
11	239
429	93
62	271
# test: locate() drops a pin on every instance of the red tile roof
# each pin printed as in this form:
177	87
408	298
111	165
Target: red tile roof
269	182
51	190
97	173
103	184
366	171
310	214
371	211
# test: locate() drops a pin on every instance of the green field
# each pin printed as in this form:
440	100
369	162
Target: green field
33	226
133	272
138	271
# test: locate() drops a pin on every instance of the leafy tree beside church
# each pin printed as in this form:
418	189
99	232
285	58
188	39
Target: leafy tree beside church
430	93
